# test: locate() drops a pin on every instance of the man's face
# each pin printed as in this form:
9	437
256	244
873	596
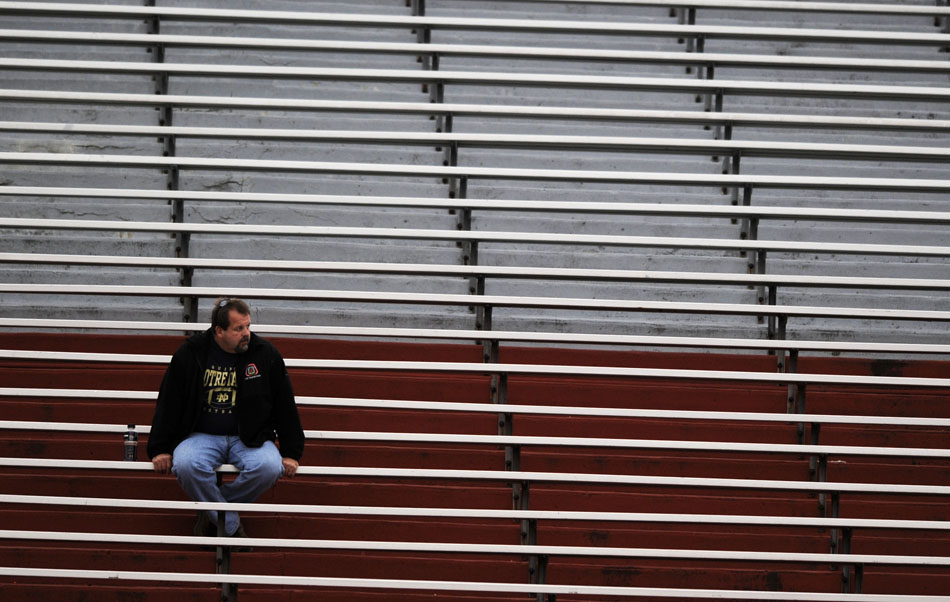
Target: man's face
236	337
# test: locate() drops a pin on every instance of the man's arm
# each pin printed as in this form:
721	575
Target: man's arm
169	407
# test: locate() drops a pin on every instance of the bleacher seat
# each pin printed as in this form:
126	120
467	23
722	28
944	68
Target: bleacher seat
582	299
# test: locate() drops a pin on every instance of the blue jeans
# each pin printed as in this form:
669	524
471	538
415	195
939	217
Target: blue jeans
196	458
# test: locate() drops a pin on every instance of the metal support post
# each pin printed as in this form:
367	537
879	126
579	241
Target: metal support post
731	166
436	92
821	475
745	230
748	231
817	467
858	581
772	330
499	386
463	223
450	158
490	348
482	314
512	452
229	591
688	17
782	358
182	239
529	535
946	23
796	399
791	367
542	576
182	244
799	409
758	267
847	578
815	434
850	582
469	249
499	396
707	97
537	564
430	62
715	108
746	196
519	490
423	34
223	562
461	189
835	509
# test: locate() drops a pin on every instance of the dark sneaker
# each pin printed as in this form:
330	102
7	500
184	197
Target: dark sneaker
204	527
240	534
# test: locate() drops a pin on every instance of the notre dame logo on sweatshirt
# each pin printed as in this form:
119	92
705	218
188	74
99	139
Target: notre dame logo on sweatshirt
221	384
220	387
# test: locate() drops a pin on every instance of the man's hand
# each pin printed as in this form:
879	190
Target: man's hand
290	466
162	463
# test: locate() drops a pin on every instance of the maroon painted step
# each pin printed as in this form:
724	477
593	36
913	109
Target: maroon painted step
102	411
886	580
139	591
266	525
104	591
815	540
335	563
696	574
328	491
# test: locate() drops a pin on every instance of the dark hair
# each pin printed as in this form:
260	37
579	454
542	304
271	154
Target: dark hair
221	314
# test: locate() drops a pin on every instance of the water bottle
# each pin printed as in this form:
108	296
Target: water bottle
131	444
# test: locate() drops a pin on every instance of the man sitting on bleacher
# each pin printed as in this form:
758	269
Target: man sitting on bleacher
225	399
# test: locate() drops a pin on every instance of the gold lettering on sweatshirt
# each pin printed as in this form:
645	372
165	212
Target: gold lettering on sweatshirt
221	385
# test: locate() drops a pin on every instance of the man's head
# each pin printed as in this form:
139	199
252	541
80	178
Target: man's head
231	323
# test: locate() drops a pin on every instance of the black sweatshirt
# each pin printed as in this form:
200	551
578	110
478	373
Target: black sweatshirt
265	402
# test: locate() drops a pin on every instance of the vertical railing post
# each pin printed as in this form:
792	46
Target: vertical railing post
730	166
172	182
704	69
457	186
851	582
791	368
430	62
772	326
688	17
423	34
520	490
712	101
783	356
835	507
756	261
946	22
229	591
858	580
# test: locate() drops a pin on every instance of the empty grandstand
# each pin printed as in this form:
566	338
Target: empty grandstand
581	299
